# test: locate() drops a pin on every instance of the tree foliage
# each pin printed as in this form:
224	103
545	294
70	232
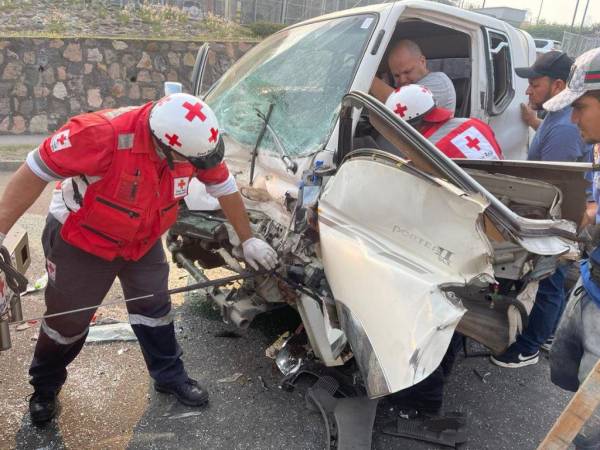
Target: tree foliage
555	31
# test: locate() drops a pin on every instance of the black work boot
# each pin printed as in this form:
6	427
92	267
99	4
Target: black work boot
42	407
188	392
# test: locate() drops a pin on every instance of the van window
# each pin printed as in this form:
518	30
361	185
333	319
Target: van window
304	72
500	73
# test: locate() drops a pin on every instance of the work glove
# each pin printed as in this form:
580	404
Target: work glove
257	251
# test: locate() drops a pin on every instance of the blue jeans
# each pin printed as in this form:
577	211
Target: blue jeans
575	351
546	312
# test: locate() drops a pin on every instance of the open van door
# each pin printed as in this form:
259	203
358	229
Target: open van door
199	68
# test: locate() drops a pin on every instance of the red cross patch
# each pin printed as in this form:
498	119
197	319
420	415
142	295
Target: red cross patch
180	186
60	141
473	144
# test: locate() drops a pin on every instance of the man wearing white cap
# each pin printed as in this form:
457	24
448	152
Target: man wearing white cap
576	348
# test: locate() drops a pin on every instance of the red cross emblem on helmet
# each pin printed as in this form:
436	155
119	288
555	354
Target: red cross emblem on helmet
411	101
185	124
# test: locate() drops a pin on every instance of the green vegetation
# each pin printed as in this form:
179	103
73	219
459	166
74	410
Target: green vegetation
555	31
263	29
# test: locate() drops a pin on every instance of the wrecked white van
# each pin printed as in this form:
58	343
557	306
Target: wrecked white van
383	254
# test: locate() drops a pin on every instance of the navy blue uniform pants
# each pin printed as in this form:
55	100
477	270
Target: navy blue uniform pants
79	279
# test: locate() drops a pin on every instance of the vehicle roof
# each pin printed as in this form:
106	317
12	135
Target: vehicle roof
423	5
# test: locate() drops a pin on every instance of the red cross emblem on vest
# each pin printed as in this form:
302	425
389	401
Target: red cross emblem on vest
472	143
180	186
400	109
194	111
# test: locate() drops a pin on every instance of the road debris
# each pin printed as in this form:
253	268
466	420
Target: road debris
122	350
273	349
232	379
38	285
184	415
22	326
263	382
482	376
120	331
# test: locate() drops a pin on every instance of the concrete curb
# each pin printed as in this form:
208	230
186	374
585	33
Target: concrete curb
10	166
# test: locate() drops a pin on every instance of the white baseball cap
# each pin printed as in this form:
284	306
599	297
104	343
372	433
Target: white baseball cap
584	77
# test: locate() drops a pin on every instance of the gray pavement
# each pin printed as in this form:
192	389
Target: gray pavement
21	139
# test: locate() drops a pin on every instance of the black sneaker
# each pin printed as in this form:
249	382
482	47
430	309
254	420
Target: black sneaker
42	407
188	392
513	359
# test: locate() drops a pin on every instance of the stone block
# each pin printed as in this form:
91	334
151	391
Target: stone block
20	90
59	90
61	73
38	124
149	94
143	76
119	45
5	124
94	55
56	43
118	89
29	57
48	76
189	59
114	71
18	125
134	92
145	62
73	53
173	59
94	99
12	71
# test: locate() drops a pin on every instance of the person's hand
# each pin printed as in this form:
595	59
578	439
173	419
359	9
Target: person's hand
257	251
2	236
529	116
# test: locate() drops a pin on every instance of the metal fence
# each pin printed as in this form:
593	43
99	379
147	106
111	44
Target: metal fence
250	11
575	44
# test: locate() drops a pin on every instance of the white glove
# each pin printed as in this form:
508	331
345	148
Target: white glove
257	251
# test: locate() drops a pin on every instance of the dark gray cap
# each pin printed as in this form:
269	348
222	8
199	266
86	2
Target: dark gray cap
553	64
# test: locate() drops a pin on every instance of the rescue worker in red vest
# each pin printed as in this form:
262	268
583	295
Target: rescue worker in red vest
455	137
123	173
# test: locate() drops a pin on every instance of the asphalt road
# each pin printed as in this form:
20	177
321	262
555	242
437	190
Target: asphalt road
108	400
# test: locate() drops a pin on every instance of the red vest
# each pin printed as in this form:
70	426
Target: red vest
136	201
464	138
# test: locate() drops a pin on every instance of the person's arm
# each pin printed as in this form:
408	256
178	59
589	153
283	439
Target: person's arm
235	211
23	188
221	185
589	216
530	117
380	89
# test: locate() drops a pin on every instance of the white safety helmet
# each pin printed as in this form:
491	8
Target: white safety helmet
186	125
410	102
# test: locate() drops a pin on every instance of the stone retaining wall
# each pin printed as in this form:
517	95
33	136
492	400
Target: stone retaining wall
43	82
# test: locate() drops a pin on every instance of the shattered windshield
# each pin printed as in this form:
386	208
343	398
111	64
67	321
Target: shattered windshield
304	72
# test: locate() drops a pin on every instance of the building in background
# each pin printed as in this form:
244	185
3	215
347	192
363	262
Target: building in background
513	16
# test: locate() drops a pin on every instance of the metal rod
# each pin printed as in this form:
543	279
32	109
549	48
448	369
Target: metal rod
574	14
584	14
191	287
540	12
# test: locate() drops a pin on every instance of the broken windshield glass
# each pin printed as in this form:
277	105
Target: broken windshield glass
303	72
